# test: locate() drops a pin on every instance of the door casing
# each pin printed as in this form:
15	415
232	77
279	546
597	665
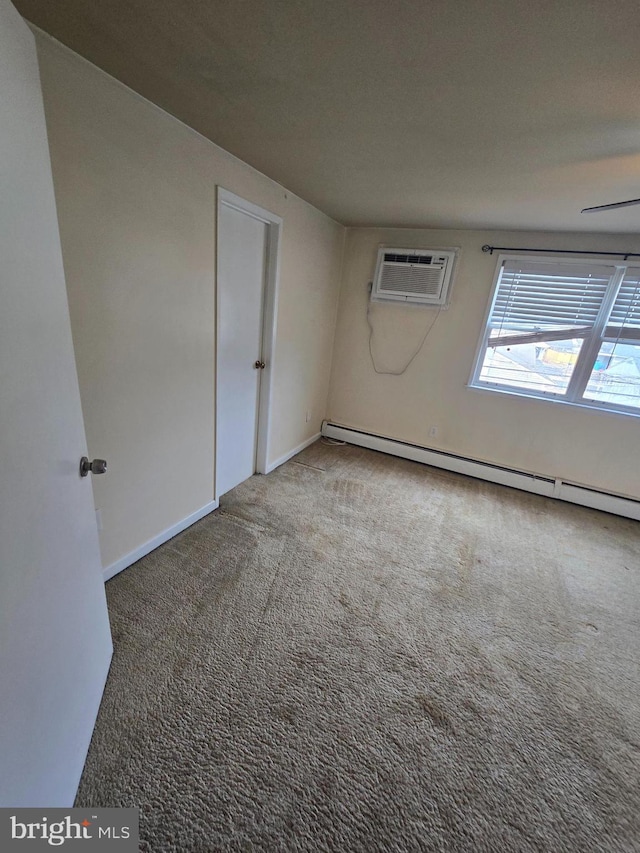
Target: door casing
273	225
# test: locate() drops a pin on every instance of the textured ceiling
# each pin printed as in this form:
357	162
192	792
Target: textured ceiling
441	113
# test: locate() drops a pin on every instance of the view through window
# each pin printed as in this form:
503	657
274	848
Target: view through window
564	329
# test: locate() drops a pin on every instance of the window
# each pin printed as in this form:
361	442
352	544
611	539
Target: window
565	330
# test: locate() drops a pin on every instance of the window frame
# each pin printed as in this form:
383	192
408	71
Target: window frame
592	340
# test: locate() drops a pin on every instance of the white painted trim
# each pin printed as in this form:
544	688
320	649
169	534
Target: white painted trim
160	539
269	318
244	206
273	465
269	330
550	487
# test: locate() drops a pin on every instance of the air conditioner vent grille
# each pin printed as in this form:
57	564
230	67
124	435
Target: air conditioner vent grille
418	276
413	280
407	259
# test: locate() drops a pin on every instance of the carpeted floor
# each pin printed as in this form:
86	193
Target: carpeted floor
359	653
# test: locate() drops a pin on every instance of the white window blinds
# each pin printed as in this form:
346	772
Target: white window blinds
537	295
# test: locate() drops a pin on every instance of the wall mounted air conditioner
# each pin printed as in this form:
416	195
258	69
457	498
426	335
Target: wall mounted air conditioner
418	276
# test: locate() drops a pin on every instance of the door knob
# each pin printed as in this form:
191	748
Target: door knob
259	365
98	466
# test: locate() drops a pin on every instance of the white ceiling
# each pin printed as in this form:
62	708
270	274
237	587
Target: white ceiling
430	113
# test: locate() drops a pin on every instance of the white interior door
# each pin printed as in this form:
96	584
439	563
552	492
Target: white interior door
242	266
55	644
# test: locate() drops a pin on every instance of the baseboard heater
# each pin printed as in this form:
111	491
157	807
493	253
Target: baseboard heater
546	486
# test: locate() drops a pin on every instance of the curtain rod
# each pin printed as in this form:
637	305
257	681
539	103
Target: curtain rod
625	255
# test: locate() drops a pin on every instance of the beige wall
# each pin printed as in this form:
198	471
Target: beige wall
582	446
136	197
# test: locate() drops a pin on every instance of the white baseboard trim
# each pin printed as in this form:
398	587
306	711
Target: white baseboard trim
273	465
547	486
160	539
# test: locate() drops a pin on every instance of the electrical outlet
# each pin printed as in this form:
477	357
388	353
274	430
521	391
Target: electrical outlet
308	416
433	431
99	519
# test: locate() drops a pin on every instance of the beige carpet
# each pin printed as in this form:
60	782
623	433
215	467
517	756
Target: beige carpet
358	653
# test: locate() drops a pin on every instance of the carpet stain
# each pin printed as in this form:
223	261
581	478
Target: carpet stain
345	601
436	713
466	563
349	490
288	715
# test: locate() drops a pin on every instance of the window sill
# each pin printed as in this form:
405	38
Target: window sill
555	401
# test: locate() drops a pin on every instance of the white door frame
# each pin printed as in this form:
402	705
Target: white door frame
269	316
